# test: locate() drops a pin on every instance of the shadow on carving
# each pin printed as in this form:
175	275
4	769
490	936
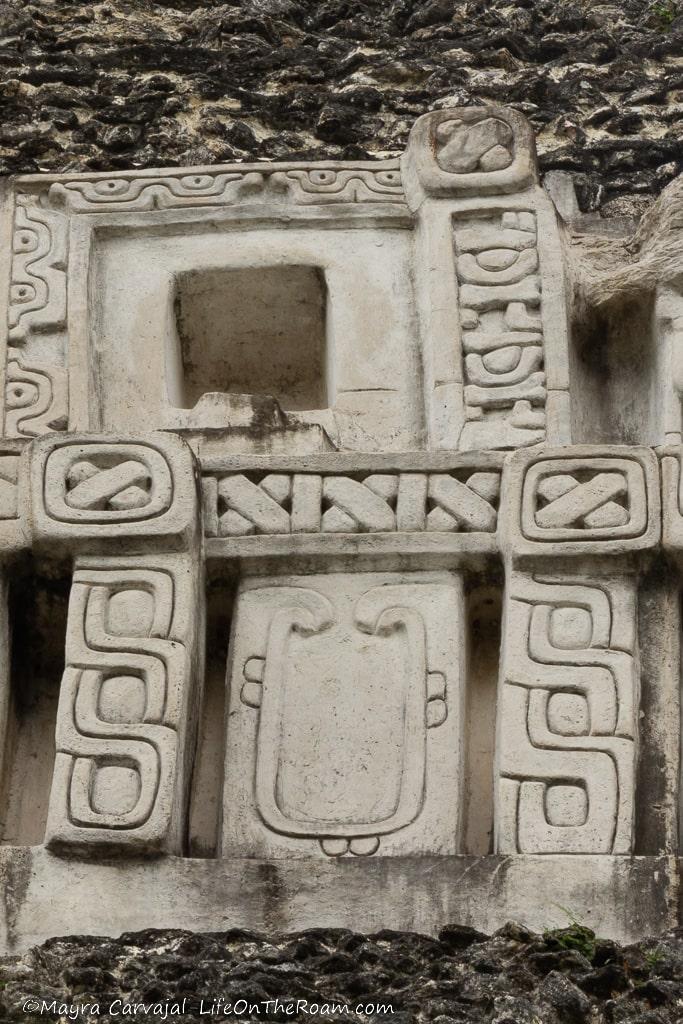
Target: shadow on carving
483	658
204	823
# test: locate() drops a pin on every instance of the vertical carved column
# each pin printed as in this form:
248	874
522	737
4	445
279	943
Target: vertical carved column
491	288
128	509
567	739
568	715
36	385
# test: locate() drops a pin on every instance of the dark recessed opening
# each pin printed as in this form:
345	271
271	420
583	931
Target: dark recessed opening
38	604
252	331
484	613
204	819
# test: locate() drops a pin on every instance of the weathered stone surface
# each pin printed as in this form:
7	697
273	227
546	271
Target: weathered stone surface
141	84
48	894
564	976
363	480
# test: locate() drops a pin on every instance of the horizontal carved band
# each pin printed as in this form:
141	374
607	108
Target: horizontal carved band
239	504
569	501
223	186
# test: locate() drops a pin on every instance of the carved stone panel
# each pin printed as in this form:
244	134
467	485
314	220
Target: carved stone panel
345	729
36	397
125	718
567	715
499	293
239	504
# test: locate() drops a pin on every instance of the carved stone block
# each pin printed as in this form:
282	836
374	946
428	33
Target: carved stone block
471	151
567	715
345	728
581	501
125	717
89	489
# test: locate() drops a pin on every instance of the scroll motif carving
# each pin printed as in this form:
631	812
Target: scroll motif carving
36	398
38	288
485	145
121	705
36	395
302	186
471	151
346	185
342	692
568	716
502	335
278	503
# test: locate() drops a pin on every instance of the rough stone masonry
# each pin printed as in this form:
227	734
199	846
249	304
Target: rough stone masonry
133	83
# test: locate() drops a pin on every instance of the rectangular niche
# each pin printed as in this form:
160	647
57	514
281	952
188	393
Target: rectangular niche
203	834
207	325
251	331
617	367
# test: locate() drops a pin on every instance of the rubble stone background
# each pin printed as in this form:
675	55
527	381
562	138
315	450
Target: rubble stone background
515	977
135	83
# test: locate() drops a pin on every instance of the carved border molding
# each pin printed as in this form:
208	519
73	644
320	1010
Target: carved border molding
301	184
85	489
241	504
36	389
